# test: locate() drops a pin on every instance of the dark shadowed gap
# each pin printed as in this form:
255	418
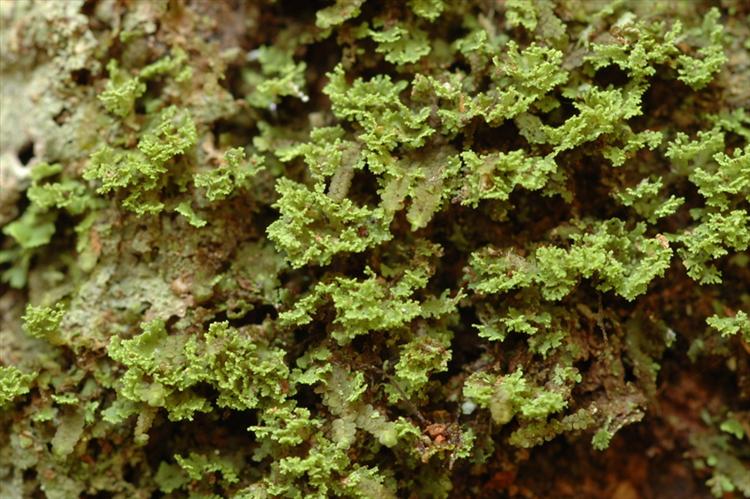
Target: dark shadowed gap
611	75
81	77
26	153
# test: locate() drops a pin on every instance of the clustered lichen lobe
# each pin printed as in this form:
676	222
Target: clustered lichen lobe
366	249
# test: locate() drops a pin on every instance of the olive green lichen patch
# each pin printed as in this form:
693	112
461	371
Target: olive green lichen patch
13	384
371	249
163	370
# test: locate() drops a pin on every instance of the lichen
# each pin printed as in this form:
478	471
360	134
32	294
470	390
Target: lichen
368	249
